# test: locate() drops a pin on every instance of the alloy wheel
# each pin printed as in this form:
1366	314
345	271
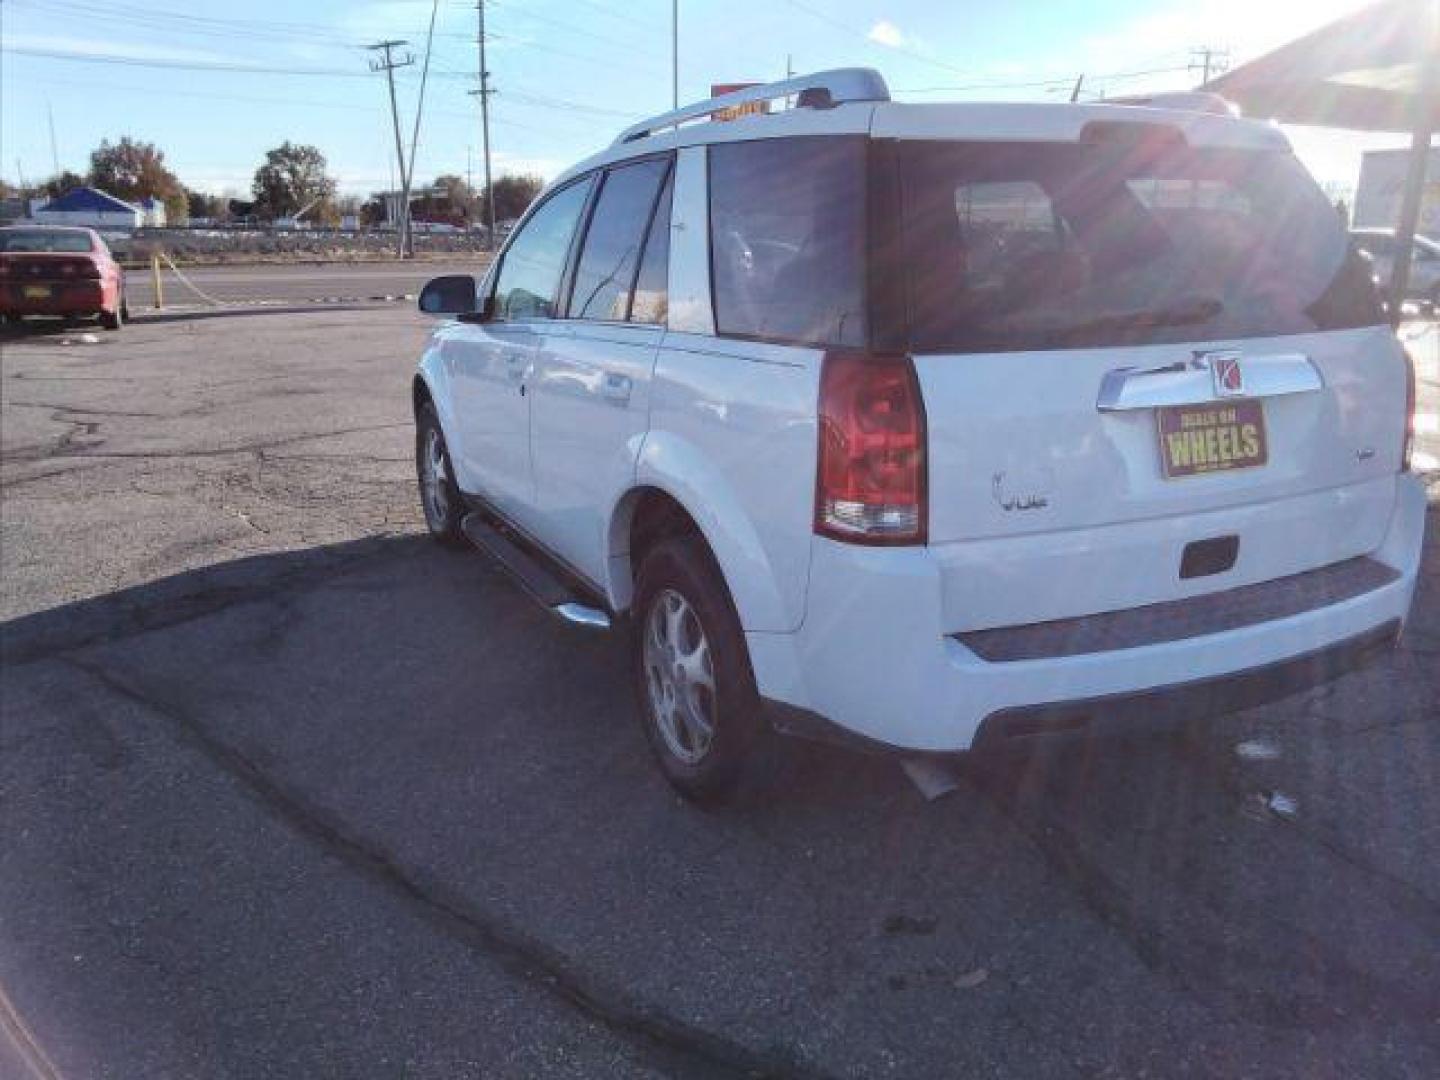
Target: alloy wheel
680	677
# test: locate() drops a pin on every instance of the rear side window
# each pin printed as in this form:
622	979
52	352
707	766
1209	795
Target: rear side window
530	273
787	239
605	273
1029	246
44	240
652	288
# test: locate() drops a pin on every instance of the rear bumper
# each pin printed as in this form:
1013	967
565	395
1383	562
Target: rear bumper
66	298
872	657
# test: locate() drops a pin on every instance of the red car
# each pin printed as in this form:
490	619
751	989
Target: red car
60	272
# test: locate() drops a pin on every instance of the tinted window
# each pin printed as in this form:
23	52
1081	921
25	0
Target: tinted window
530	275
605	274
652	288
787	239
44	240
1056	245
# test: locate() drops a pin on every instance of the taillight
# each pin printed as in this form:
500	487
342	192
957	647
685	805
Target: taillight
1407	448
870	487
86	268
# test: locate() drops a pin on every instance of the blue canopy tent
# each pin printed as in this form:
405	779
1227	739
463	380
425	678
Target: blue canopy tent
1375	70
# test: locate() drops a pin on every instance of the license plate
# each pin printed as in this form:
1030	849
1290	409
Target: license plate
37	292
1211	438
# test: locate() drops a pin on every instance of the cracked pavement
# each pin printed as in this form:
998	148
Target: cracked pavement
288	790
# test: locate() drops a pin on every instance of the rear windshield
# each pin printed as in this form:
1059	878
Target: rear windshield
44	240
1027	246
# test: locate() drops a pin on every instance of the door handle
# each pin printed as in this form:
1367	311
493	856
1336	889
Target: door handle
616	388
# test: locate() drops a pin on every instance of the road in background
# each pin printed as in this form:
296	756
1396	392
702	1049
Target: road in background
290	790
285	282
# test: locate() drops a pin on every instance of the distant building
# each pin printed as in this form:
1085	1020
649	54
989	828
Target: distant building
154	211
1382	179
93	209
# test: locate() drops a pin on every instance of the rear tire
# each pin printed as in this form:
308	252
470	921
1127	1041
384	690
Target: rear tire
696	692
113	320
439	495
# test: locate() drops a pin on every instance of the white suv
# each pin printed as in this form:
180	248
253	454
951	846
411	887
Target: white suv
926	424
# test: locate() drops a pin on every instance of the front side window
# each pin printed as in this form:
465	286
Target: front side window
787	239
529	280
605	273
1031	246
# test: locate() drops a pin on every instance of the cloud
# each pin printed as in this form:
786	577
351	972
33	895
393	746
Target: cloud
888	34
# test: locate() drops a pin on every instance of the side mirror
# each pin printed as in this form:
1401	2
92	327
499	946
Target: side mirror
453	294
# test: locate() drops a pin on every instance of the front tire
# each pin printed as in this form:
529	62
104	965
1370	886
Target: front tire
697	696
439	496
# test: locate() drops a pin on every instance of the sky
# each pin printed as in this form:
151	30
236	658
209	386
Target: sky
567	75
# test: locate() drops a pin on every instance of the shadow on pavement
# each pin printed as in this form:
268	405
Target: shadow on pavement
1093	905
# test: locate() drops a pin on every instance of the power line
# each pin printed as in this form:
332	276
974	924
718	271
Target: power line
318	34
1060	80
177	65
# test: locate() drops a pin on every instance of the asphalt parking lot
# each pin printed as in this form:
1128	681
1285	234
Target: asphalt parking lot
288	790
277	283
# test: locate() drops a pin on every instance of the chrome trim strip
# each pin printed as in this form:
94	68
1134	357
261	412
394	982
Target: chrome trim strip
1190	382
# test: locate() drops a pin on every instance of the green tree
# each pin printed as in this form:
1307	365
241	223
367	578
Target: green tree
200	205
513	193
373	212
61	182
134	170
455	195
292	178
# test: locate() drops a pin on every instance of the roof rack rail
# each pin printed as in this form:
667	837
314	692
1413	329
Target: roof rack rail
822	90
1181	100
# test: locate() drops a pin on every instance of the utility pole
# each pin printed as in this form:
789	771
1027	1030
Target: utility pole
54	153
484	94
388	65
419	111
674	54
1207	60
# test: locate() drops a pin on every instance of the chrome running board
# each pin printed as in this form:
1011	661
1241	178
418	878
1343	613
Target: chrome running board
530	572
